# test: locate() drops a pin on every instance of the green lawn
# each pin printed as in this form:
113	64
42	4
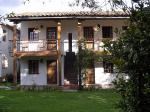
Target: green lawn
84	101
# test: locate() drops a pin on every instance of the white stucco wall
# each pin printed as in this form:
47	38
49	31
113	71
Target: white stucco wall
0	64
4	49
68	26
101	78
33	79
1	33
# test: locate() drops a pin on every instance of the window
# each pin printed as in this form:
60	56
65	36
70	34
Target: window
52	33
33	34
10	47
108	67
33	66
124	28
107	32
51	38
88	33
4	35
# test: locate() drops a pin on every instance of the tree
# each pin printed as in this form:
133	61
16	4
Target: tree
85	59
130	54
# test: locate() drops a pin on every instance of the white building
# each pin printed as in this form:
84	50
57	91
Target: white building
6	34
48	45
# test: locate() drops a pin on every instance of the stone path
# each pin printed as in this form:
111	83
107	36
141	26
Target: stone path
5	88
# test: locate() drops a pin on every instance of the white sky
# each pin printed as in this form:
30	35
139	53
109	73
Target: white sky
17	6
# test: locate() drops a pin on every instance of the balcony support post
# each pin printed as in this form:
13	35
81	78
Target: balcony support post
79	29
14	54
59	52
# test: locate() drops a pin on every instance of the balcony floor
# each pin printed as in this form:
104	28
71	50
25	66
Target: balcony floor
20	54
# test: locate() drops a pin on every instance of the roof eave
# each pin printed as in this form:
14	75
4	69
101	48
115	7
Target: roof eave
66	17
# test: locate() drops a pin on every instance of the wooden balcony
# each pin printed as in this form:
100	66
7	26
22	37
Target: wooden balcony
36	48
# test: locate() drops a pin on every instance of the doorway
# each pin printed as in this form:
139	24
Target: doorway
52	72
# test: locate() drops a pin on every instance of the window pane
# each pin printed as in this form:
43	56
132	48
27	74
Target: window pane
88	33
33	35
33	66
107	32
52	33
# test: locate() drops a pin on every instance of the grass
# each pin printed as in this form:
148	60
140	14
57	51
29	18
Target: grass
84	101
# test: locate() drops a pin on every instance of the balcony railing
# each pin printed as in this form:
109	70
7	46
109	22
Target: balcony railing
40	45
51	45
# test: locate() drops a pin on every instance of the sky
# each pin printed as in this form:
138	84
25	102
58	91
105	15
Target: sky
18	6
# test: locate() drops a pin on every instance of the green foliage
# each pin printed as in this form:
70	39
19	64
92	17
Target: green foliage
85	59
86	55
130	54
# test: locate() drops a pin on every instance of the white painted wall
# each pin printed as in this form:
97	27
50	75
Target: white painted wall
68	26
1	33
33	79
4	49
0	64
101	78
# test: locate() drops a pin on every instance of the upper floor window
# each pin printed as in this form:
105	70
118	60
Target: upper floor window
33	66
33	34
88	33
108	67
4	35
52	33
107	32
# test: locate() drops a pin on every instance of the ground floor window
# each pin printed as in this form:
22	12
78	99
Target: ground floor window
33	66
108	67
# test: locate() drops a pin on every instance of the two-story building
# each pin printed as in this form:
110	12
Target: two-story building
6	59
48	45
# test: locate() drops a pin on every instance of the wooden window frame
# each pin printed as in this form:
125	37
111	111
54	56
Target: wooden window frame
88	33
54	30
107	32
51	41
33	66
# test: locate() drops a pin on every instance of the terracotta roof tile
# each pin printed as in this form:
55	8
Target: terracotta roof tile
56	15
82	13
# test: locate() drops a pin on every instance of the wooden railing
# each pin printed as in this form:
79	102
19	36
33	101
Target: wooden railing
40	45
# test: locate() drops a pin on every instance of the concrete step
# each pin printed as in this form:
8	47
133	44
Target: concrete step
70	87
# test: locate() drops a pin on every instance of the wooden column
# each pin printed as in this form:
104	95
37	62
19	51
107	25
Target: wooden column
14	55
79	29
59	51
